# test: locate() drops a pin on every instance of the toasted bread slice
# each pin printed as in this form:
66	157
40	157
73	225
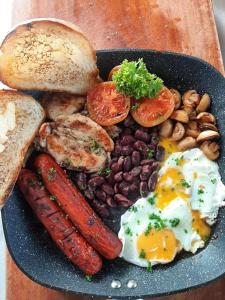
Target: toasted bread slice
28	117
57	104
49	55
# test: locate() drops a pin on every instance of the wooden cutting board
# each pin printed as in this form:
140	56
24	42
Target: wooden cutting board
185	26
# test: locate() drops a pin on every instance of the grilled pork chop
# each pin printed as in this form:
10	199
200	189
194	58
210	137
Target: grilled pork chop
76	142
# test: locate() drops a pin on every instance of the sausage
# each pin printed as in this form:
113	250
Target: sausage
60	228
75	205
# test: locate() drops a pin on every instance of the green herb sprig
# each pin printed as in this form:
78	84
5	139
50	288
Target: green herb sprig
134	80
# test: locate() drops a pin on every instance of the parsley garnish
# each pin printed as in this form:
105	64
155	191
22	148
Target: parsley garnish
106	171
174	222
159	223
51	174
147	231
149	267
138	222
213	180
185	230
201	200
178	160
206	238
128	231
67	162
88	278
200	191
151	199
150	153
135	106
32	183
133	208
95	146
51	197
142	254
184	183
134	80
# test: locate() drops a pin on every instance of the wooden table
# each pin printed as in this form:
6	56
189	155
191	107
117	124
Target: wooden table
185	26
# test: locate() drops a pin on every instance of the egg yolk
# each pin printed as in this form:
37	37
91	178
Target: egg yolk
170	186
200	226
169	146
157	245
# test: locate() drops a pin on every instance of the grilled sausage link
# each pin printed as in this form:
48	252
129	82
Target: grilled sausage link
62	231
75	205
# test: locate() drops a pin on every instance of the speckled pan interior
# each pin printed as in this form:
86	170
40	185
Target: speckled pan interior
38	257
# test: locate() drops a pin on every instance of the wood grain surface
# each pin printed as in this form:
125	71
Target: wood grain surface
182	26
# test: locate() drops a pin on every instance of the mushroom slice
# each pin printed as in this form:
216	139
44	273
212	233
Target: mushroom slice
206	117
204	103
187	143
166	128
210	149
207	135
188	108
177	98
180	116
191	97
178	132
208	126
192	129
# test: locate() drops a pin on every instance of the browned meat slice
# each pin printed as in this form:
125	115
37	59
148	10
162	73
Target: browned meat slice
76	142
56	104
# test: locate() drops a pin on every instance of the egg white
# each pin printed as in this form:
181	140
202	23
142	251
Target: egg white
201	174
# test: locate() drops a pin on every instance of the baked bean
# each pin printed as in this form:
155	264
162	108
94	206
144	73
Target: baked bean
127	164
127	177
125	191
122	200
100	194
160	153
152	181
141	135
123	184
155	166
146	162
118	176
135	158
100	208
129	121
110	202
89	194
127	140
133	187
143	188
81	181
116	188
145	172
107	188
117	150
110	178
140	146
96	181
126	150
135	171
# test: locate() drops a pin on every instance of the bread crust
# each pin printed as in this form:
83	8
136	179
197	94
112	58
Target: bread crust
13	96
8	77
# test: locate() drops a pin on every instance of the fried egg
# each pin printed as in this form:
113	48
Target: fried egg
177	215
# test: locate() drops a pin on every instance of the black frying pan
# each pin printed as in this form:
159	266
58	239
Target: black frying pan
37	256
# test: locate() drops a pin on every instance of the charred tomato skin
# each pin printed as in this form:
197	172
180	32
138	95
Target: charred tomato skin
106	105
149	112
